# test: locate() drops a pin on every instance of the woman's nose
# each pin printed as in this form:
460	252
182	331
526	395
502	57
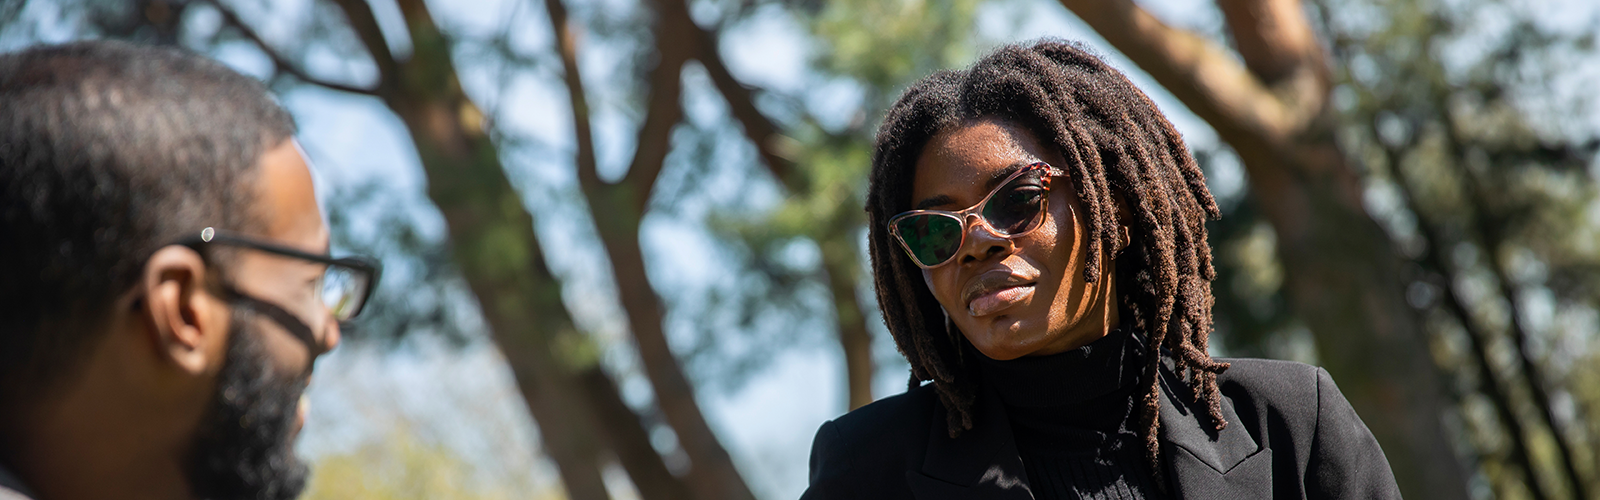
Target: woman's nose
982	242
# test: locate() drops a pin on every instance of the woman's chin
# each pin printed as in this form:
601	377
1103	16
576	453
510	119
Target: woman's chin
1004	337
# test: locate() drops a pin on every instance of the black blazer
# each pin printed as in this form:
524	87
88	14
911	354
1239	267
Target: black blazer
1290	434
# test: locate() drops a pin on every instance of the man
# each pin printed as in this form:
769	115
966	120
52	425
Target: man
164	285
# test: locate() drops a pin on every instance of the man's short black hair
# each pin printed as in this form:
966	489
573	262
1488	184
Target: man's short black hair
108	152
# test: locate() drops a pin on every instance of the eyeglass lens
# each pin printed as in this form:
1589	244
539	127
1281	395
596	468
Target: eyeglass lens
1015	208
931	238
343	291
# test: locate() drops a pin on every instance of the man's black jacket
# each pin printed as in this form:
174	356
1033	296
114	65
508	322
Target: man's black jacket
1290	434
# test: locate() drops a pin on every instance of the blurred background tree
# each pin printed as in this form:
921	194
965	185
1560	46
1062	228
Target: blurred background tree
401	468
632	209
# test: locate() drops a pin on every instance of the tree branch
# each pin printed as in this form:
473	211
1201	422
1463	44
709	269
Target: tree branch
1203	75
663	109
761	130
628	437
279	62
567	47
359	13
664	105
1274	37
741	101
1489	228
617	210
1433	258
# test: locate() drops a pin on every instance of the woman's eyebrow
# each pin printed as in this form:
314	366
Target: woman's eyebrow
1002	174
988	185
934	201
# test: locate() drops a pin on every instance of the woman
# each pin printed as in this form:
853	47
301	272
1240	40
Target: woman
1038	241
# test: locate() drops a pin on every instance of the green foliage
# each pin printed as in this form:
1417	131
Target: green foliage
403	468
1252	315
883	45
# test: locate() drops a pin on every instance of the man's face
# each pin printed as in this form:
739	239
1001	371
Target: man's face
244	447
286	207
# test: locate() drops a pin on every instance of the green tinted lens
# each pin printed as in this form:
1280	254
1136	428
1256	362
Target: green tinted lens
931	238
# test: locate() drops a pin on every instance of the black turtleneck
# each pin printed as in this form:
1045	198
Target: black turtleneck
1074	416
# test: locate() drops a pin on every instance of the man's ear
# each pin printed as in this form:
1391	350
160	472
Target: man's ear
186	324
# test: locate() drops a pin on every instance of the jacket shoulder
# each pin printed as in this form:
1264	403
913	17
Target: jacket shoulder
1283	384
872	446
1267	390
1298	411
892	415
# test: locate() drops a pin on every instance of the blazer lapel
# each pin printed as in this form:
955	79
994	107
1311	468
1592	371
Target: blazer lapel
981	463
1204	463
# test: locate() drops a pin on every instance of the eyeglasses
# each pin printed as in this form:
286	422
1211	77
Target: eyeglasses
344	287
933	237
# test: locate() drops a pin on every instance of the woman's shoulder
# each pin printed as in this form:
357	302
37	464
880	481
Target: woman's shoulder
1298	411
1290	389
1271	377
871	447
1279	383
902	416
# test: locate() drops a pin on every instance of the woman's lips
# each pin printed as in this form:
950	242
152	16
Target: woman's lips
998	289
999	299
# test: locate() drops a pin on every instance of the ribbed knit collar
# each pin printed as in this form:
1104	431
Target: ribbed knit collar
1068	378
1072	418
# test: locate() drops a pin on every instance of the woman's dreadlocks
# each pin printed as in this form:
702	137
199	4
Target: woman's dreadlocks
1116	145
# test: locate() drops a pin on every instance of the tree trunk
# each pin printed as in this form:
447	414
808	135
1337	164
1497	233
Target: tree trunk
712	474
841	259
617	209
1344	279
492	239
485	236
626	435
854	338
1342	274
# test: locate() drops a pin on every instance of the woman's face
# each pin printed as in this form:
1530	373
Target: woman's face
1024	295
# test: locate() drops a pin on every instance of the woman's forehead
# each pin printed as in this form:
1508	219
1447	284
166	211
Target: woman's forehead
966	159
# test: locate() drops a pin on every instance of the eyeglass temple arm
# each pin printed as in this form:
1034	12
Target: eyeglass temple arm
372	267
283	318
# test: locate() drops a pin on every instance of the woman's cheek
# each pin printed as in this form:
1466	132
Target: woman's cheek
1043	249
939	283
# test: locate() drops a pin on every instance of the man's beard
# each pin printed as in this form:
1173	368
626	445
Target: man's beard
245	445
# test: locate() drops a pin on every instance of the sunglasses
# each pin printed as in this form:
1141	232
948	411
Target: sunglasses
933	237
